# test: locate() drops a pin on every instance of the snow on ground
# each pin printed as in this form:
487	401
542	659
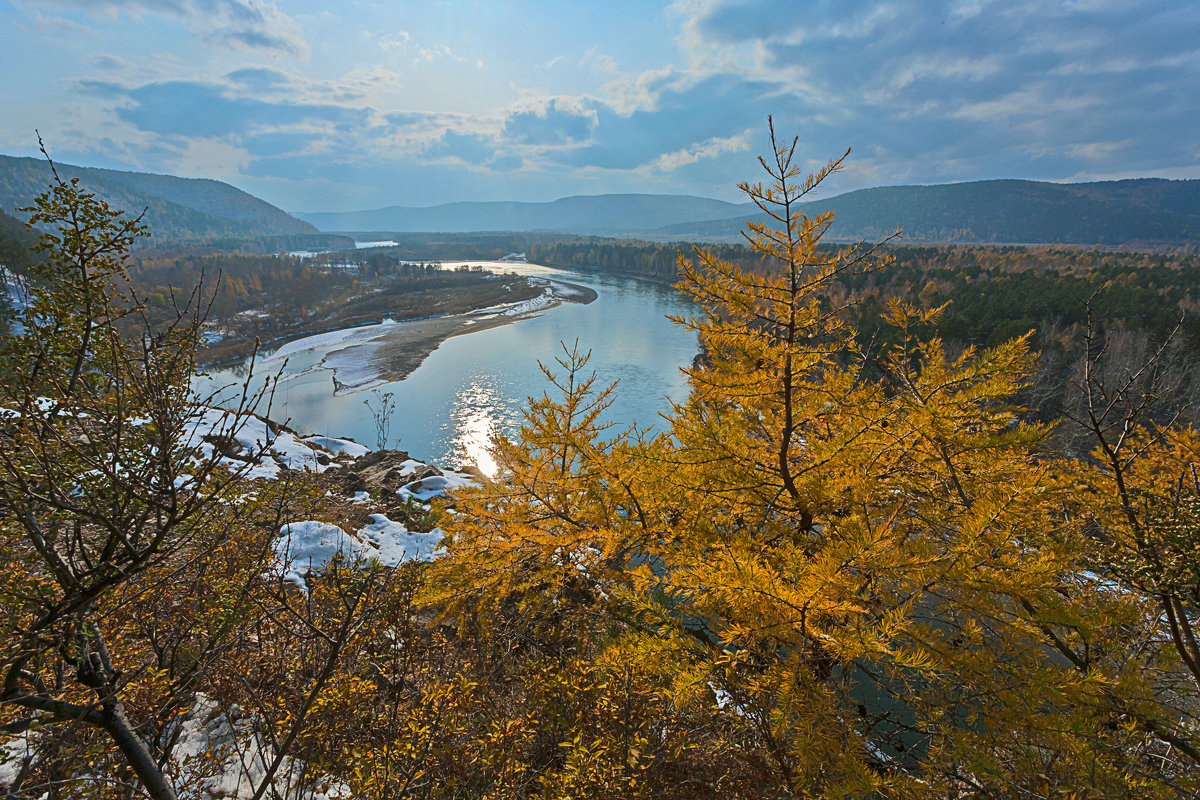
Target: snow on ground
266	450
307	547
338	446
553	293
395	544
433	486
564	291
410	467
543	300
362	333
219	755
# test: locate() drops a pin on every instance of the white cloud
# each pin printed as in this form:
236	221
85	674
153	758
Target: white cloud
393	41
952	68
236	24
710	148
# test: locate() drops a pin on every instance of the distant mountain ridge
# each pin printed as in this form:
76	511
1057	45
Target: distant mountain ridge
606	214
1141	211
206	212
177	210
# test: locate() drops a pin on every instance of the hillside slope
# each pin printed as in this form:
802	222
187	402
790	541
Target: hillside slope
590	214
16	243
1141	211
177	210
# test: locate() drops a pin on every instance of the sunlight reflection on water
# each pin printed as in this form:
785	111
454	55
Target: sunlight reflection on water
473	419
475	385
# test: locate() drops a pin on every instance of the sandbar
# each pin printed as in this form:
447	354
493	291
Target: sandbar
399	348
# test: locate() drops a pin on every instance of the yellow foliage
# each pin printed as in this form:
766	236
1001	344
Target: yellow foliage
866	563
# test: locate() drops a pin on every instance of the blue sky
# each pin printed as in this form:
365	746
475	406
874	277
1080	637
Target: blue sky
359	104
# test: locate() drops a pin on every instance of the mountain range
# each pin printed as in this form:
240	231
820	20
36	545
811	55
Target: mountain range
606	214
1144	211
196	211
177	210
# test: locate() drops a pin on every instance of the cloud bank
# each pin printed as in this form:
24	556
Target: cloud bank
924	91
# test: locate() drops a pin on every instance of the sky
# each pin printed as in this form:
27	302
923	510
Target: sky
318	106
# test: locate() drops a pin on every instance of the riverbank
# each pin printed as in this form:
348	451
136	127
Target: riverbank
229	338
364	357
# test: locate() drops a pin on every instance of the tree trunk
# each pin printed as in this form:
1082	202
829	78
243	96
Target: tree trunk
136	753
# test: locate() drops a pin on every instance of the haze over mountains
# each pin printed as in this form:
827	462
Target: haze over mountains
177	210
1145	212
606	214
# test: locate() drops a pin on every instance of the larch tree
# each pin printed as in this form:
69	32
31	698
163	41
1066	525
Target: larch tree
859	559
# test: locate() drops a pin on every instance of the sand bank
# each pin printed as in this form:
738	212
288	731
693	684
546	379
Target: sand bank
367	356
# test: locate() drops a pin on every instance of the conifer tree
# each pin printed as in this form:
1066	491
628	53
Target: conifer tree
863	561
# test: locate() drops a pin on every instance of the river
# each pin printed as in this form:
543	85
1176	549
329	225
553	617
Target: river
476	384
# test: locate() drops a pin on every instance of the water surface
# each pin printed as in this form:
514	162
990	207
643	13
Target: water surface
475	384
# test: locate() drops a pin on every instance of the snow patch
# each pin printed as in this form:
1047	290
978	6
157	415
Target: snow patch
307	547
543	300
253	446
394	544
362	333
338	446
433	486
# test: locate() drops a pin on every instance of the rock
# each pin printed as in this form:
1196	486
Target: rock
379	469
422	473
225	445
351	482
473	471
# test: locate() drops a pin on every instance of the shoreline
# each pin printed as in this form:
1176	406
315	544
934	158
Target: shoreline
395	354
362	357
286	343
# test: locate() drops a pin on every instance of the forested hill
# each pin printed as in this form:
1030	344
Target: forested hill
178	210
605	214
1145	211
16	243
